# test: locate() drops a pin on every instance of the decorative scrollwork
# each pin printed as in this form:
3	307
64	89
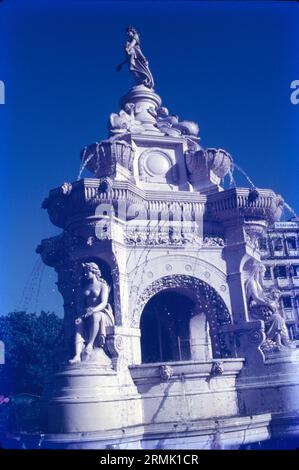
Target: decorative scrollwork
115	345
136	236
257	337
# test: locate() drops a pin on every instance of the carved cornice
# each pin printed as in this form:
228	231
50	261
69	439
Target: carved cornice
86	195
241	203
83	197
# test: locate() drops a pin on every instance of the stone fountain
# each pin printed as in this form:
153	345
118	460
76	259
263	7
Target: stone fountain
170	339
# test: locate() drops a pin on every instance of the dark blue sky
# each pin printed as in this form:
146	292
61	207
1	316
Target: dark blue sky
226	65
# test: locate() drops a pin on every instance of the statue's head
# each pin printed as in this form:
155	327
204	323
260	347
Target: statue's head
90	270
261	268
131	31
258	270
274	294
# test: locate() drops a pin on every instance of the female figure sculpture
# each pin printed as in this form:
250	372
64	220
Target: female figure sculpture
266	306
96	314
137	62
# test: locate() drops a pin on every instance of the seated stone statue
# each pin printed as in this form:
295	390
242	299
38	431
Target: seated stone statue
265	306
96	314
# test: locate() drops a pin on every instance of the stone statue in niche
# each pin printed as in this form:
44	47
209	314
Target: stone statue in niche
95	312
138	64
265	306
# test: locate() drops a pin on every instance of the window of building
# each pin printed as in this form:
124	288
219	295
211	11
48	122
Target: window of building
277	244
292	243
287	301
268	274
295	270
281	271
263	245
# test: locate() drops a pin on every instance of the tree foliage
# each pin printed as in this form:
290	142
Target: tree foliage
33	344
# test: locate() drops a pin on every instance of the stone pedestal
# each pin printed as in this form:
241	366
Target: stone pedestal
143	100
181	401
91	402
274	388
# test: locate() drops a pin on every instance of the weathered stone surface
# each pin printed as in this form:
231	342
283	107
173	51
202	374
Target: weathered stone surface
155	221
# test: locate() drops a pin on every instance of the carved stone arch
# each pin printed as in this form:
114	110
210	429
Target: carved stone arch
217	313
198	268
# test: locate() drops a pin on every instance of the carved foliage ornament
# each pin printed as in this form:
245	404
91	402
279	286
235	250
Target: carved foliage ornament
136	236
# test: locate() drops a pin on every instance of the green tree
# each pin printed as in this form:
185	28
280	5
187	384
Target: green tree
33	347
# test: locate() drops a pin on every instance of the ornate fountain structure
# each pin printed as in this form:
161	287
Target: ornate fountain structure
170	339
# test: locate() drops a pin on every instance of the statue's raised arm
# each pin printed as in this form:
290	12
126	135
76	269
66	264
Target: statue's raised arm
137	62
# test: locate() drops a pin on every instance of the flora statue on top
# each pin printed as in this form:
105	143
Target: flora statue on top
138	64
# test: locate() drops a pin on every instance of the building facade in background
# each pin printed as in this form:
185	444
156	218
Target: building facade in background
280	254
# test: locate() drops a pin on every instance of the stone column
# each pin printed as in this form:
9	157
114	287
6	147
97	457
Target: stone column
249	335
234	253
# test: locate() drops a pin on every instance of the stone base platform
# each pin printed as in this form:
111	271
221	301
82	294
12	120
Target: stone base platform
178	405
225	433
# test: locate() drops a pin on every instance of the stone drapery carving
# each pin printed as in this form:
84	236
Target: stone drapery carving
265	306
208	300
138	64
94	313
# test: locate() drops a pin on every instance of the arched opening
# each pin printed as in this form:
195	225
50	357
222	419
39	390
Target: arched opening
181	318
165	327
